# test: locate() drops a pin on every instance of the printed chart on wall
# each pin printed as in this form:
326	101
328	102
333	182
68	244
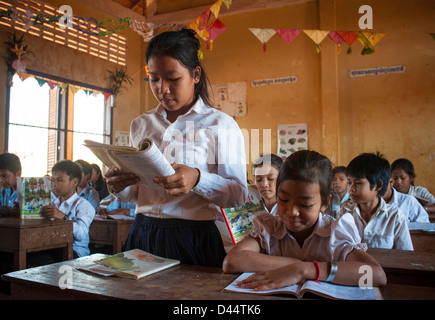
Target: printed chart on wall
292	138
230	98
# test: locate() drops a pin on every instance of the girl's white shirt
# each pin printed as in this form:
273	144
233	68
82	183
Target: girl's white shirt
204	138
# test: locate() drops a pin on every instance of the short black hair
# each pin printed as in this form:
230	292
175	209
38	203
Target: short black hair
10	162
373	167
70	168
406	165
339	169
309	166
274	160
85	167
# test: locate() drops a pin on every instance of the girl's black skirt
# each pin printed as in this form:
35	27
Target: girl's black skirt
190	242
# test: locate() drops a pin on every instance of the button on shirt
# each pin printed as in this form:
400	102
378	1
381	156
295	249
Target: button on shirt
204	138
409	206
331	240
386	229
82	213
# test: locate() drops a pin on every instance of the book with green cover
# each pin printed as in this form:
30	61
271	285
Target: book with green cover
33	194
133	264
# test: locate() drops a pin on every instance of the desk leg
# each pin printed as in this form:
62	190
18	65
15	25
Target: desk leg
117	247
67	252
20	259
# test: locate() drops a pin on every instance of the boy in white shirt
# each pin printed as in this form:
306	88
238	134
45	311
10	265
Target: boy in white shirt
380	225
68	205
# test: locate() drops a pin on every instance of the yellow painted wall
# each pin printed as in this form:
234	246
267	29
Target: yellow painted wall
392	113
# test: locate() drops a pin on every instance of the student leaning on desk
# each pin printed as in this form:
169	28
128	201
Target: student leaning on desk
68	205
301	242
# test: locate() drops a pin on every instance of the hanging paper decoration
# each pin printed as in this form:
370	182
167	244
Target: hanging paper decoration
40	81
205	16
52	84
215	8
317	36
349	37
263	35
19	66
227	3
144	29
62	87
74	89
369	40
288	35
106	95
337	39
213	32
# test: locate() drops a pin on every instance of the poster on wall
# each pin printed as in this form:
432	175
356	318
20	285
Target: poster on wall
230	98
292	138
122	138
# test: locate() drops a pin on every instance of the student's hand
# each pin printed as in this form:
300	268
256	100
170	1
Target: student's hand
120	211
117	181
181	182
51	211
278	278
103	212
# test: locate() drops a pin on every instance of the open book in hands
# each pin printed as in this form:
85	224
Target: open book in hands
324	289
146	161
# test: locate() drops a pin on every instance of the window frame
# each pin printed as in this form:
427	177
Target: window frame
63	110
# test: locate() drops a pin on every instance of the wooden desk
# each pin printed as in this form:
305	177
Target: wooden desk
431	217
406	267
423	241
110	232
182	282
21	236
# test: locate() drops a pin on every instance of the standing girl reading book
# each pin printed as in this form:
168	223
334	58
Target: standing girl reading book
176	220
301	242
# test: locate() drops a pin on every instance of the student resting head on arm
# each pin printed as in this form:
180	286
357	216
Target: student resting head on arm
205	147
301	242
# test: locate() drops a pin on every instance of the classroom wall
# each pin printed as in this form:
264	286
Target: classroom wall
391	113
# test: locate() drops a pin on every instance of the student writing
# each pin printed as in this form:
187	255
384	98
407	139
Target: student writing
300	242
176	220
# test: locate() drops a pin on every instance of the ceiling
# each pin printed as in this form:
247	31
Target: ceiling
181	11
163	6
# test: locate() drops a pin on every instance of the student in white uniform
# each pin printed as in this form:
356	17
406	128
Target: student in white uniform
404	175
301	242
379	225
266	169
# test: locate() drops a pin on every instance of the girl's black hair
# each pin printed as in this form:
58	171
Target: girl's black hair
406	165
10	162
309	166
274	160
183	46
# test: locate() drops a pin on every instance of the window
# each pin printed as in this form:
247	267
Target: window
46	124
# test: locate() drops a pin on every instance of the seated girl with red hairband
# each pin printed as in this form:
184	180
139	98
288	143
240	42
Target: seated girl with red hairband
301	242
